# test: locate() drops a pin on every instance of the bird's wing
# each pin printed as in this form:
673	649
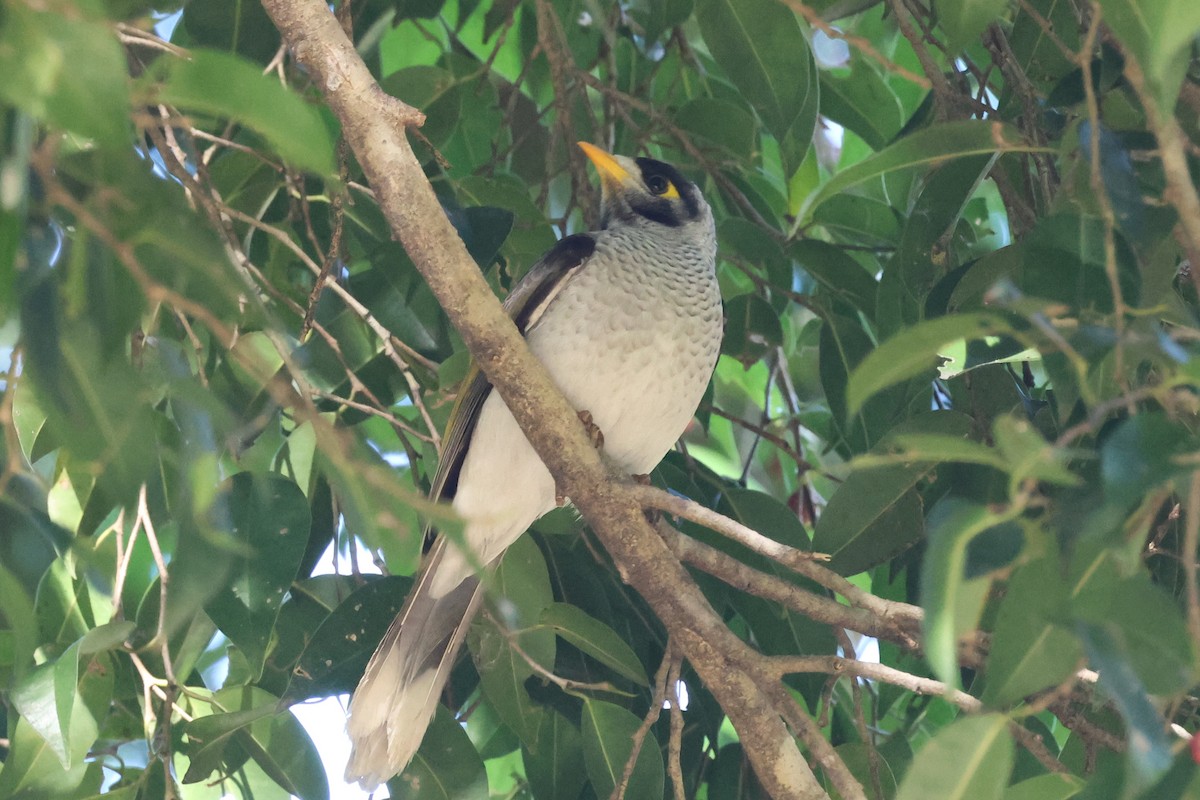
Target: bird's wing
525	305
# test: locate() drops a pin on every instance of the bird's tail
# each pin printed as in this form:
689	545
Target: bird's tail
399	691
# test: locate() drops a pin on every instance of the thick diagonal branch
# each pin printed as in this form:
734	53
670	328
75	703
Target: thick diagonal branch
374	125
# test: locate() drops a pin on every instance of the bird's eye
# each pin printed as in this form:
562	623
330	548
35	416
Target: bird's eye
657	184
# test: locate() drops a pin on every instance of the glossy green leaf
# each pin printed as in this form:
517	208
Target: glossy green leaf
838	273
1045	787
921	258
659	16
556	769
875	513
225	85
1160	36
35	766
952	601
338	650
1036	49
751	328
1030	651
594	638
968	760
607	744
907	448
447	767
857	219
760	47
915	351
925	148
247	723
213	741
269	518
862	101
720	123
1030	455
67	69
1144	623
1140	454
1075	244
232	25
1149	748
518	596
47	697
964	21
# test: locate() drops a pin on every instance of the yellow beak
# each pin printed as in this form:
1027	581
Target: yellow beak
612	175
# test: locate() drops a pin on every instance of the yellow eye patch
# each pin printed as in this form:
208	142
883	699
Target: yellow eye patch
671	192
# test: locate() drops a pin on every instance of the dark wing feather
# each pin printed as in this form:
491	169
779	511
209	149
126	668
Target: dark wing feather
524	304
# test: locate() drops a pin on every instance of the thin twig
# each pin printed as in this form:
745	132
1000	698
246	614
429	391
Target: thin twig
652	714
1191	541
1084	61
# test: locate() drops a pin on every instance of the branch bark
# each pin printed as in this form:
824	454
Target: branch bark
374	124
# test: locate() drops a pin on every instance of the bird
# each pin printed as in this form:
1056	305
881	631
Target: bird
628	321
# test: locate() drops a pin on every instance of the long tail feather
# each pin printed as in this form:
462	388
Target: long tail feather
398	693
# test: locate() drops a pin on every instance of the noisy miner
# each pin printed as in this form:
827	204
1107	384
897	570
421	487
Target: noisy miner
627	320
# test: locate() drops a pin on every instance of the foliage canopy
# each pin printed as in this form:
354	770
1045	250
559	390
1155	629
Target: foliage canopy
959	249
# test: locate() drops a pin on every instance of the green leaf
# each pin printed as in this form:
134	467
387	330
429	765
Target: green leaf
447	767
594	638
1036	49
518	595
759	45
914	270
861	220
233	25
915	350
226	85
483	230
47	696
36	766
718	122
386	521
876	512
964	20
844	344
16	609
247	723
1056	786
1029	651
33	772
1149	748
659	16
924	148
35	700
269	515
968	760
751	328
607	743
339	649
1029	455
67	69
862	101
556	769
839	274
1074	243
1140	455
951	601
1146	625
211	741
1159	35
936	447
